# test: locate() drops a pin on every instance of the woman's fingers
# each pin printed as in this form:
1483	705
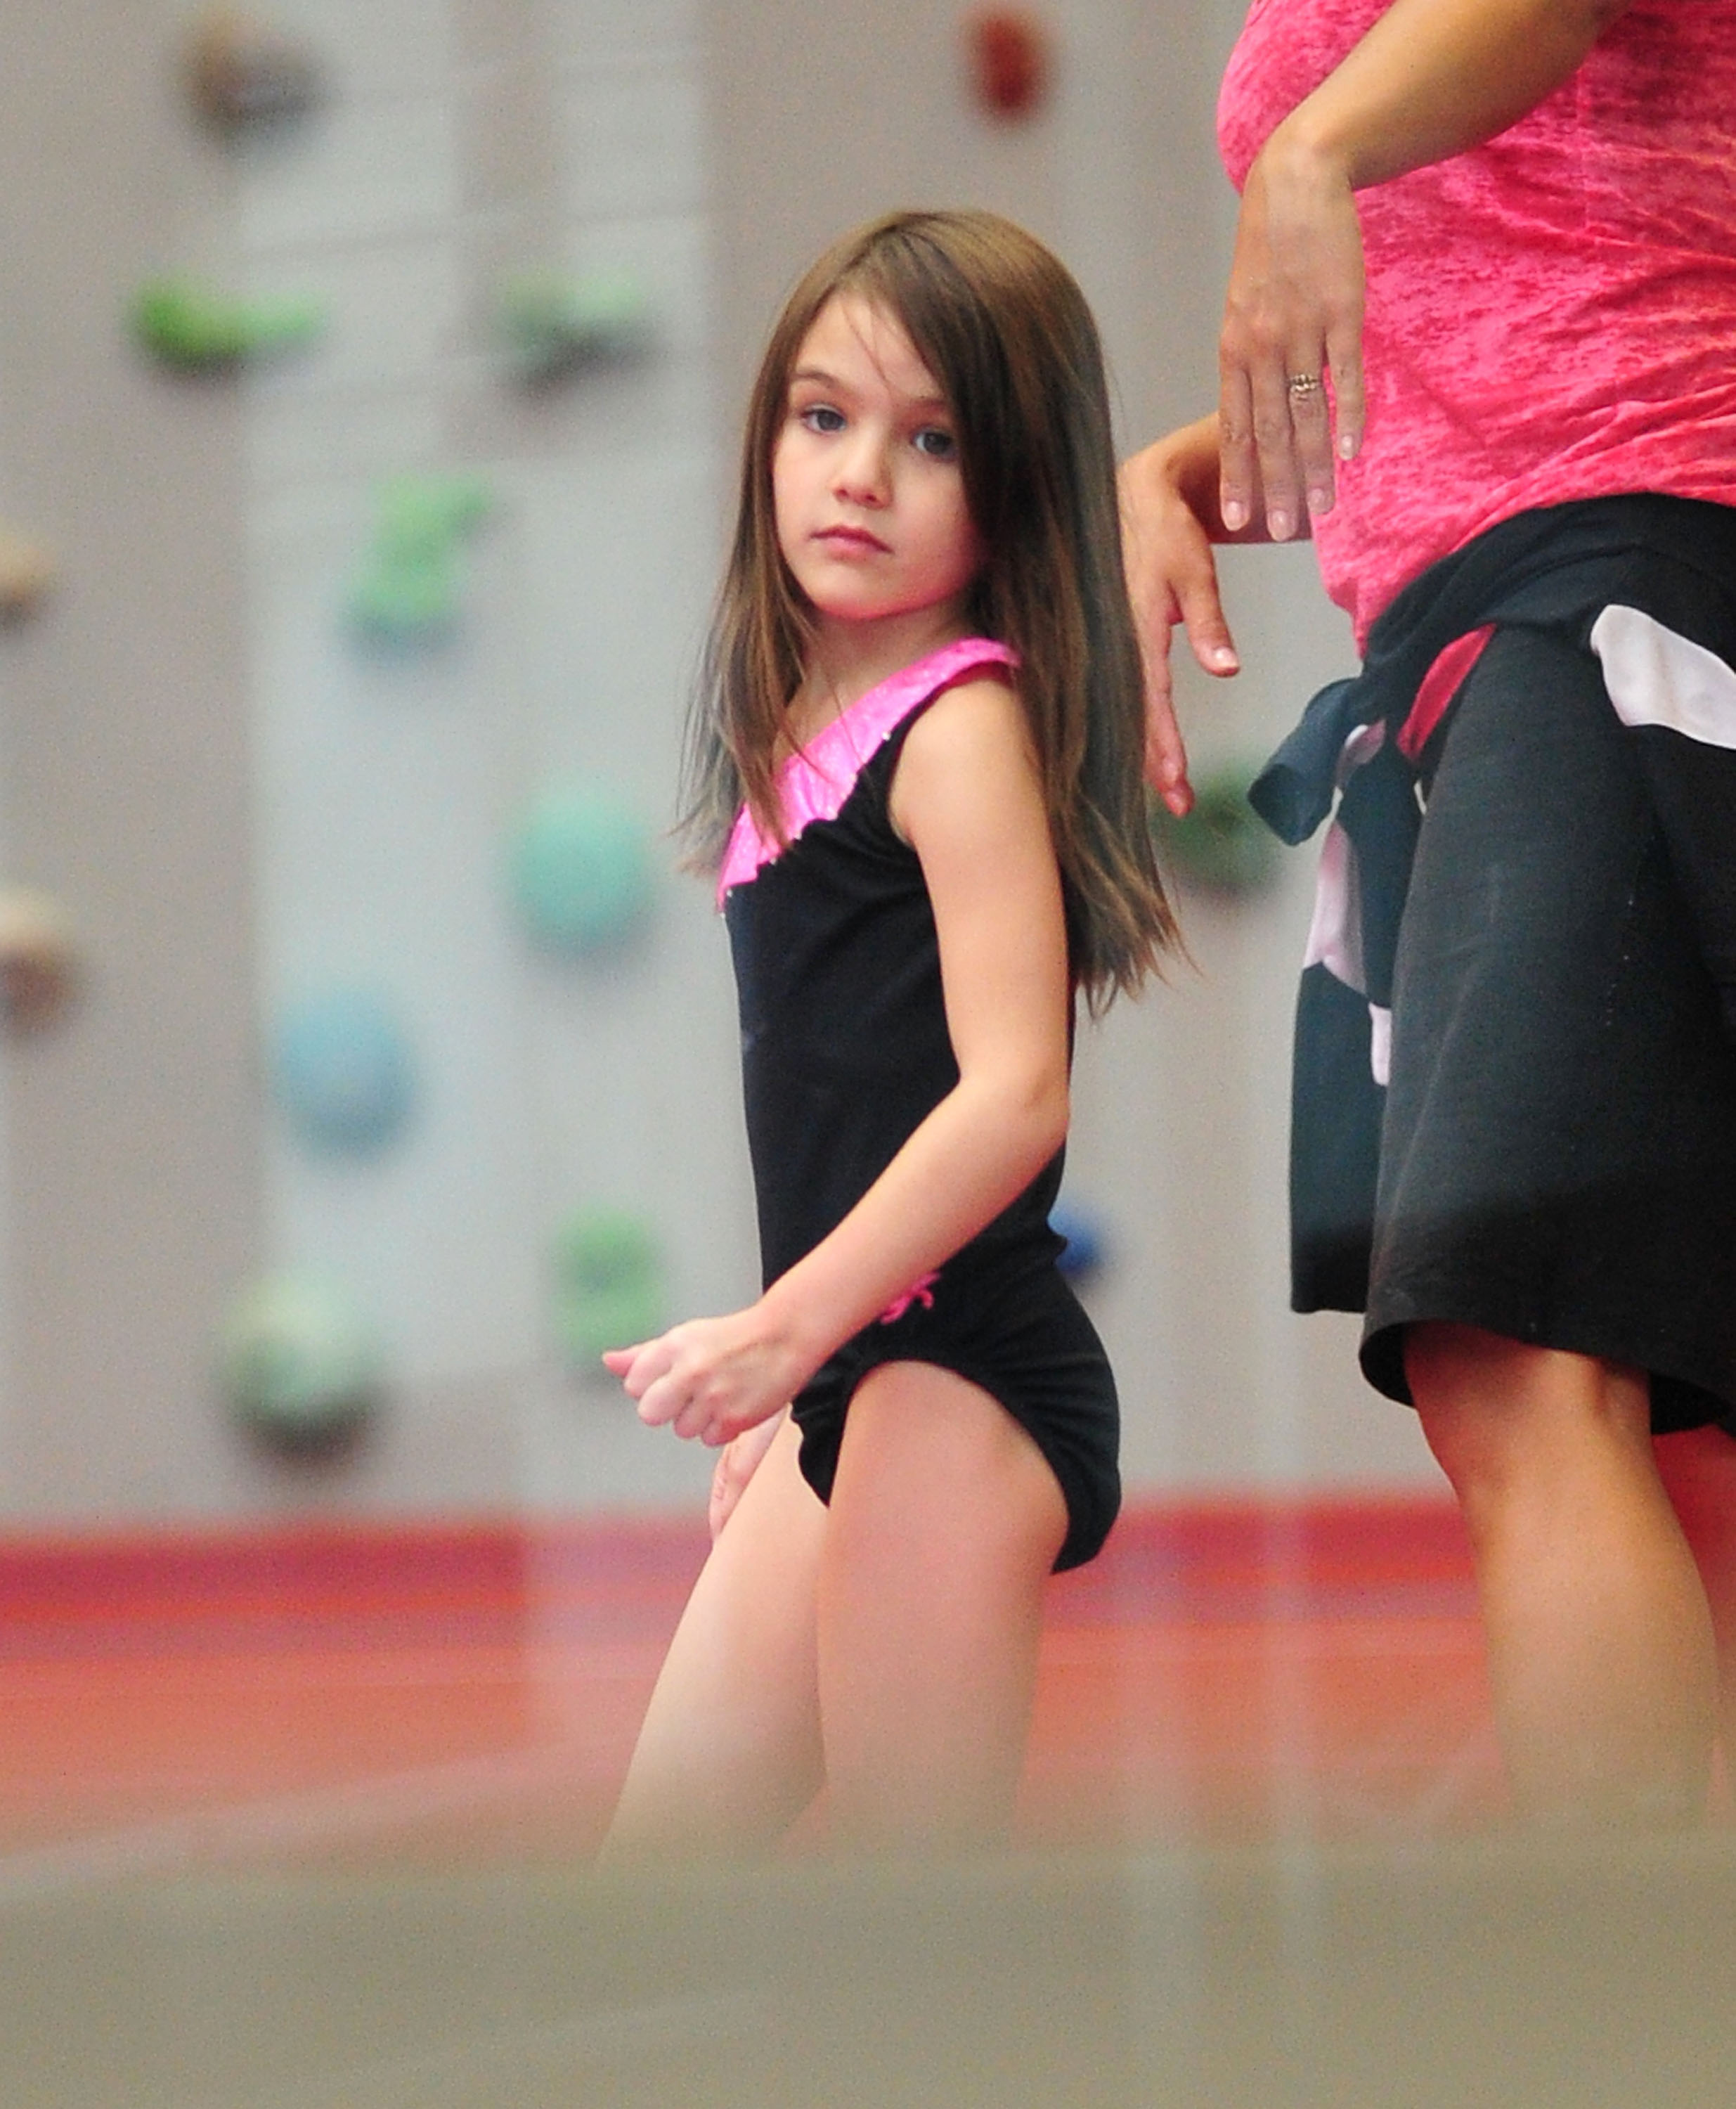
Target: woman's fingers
1275	442
637	1366
1165	755
1290	354
1237	473
1344	361
1171	578
1311	427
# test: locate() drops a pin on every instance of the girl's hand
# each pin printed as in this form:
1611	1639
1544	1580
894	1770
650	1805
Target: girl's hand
738	1461
1293	315
1172	578
711	1378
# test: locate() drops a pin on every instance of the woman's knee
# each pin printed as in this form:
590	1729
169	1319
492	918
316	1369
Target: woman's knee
1495	1411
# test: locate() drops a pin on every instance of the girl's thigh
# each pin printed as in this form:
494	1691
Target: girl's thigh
730	1752
945	1522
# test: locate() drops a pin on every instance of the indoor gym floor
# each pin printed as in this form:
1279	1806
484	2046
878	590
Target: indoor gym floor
302	1818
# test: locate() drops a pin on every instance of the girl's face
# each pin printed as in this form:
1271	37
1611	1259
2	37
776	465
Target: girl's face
866	484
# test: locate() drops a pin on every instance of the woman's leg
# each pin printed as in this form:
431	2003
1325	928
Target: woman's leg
1699	1475
1600	1643
945	1521
729	1754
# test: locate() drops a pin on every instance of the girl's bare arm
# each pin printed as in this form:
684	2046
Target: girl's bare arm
965	796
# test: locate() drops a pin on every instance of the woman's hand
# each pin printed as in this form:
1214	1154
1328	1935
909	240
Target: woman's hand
711	1378
1167	522
738	1462
1292	316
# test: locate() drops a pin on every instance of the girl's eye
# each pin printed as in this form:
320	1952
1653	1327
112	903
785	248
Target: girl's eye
937	444
821	417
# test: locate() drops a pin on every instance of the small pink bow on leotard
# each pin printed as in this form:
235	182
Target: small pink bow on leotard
921	1292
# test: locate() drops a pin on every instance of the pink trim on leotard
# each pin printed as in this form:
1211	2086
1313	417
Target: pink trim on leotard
814	783
920	1291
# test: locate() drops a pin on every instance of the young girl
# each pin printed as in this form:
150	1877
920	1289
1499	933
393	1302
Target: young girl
916	772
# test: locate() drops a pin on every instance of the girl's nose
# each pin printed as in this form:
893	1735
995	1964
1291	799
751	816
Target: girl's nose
861	470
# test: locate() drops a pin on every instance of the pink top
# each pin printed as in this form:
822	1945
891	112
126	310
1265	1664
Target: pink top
1551	315
814	783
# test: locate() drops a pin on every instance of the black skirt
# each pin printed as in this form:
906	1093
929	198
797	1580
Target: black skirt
1558	1156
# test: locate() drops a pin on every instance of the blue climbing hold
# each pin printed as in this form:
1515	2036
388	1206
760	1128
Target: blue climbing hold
343	1072
1082	1255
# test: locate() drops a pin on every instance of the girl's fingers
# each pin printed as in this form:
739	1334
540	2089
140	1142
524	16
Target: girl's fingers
659	1402
701	1420
651	1364
742	1458
661	1390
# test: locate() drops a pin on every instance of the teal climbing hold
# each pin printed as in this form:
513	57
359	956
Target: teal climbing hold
582	870
301	1367
552	323
407	589
608	1273
196	329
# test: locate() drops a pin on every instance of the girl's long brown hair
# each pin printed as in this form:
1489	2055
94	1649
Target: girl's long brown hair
1003	327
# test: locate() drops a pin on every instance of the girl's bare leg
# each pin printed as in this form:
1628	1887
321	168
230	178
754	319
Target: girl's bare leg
729	1755
1699	1475
1600	1642
944	1523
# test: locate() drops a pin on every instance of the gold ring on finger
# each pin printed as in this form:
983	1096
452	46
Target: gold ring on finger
1302	386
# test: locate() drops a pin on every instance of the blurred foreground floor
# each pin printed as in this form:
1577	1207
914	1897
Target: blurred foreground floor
1467	1972
302	1821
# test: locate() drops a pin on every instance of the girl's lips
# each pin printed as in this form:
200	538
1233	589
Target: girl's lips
851	538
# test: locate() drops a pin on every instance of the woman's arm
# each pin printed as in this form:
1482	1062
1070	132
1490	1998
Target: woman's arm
965	796
1170	519
1431	79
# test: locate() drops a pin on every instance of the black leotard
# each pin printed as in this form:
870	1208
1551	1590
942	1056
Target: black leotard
845	1051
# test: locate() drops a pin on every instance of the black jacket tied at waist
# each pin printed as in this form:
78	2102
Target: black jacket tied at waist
1559	569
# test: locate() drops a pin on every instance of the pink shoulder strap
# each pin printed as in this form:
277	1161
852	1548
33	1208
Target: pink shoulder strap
814	785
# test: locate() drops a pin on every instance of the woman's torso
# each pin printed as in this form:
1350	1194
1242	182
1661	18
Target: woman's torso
1551	315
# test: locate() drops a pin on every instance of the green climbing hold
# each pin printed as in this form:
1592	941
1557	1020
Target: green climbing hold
608	1284
300	1366
1222	845
407	589
552	323
194	329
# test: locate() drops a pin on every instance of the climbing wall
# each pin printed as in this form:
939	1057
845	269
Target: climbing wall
368	378
553	1069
